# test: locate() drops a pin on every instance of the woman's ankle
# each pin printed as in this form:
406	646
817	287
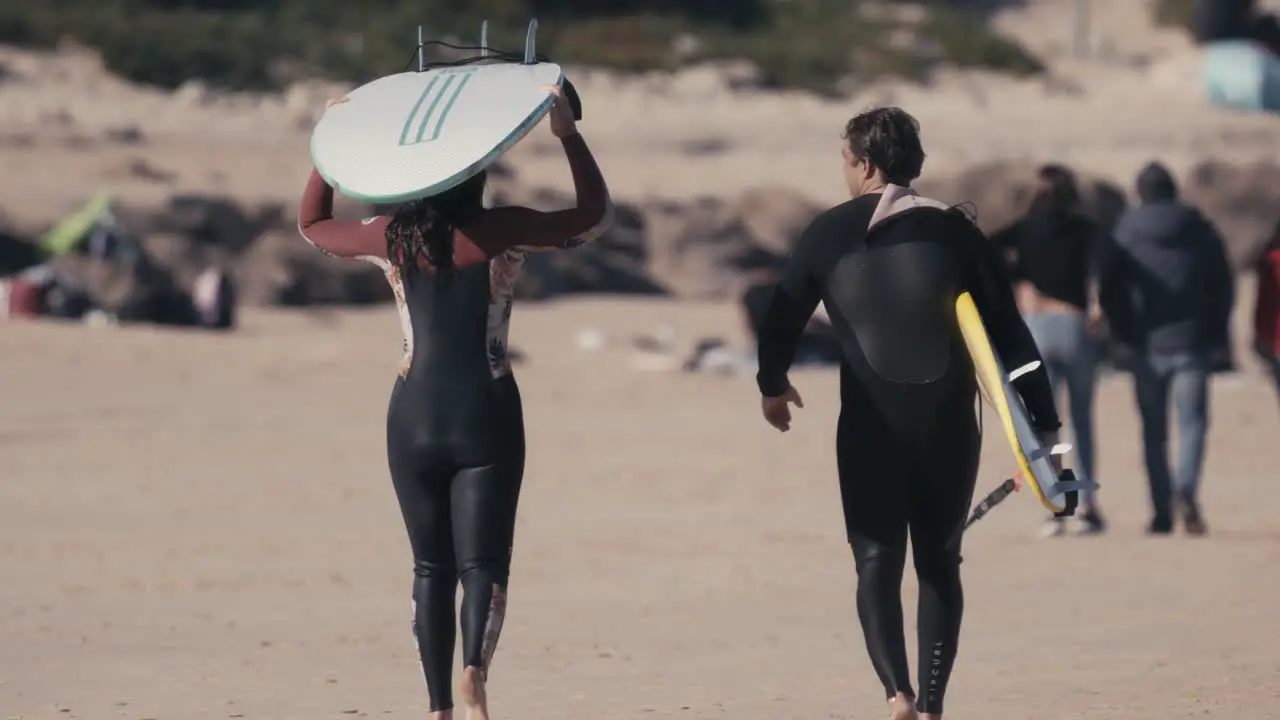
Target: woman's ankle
472	685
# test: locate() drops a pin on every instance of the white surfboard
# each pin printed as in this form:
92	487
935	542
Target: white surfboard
416	134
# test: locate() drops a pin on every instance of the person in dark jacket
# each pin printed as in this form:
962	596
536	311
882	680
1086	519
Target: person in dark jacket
1167	293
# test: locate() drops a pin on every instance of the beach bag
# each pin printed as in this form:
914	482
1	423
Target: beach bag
19	298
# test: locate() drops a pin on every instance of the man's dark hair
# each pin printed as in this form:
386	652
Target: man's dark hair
889	139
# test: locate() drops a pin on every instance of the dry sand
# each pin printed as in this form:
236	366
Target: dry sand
202	527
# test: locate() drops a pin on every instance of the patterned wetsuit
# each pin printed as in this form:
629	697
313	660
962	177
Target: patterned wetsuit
455	432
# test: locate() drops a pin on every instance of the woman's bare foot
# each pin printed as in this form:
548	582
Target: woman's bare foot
441	715
473	694
902	707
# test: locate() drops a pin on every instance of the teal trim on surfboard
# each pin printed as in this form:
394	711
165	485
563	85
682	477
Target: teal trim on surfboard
435	134
404	134
435	189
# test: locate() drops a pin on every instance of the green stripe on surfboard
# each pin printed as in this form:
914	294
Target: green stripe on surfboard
431	109
404	134
435	134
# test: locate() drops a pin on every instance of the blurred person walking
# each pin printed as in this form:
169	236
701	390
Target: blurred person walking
1056	251
1168	291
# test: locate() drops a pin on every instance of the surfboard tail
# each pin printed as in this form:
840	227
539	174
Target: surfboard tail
1069	487
1070	498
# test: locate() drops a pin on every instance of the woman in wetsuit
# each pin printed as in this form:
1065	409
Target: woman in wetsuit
455	433
1058	252
888	265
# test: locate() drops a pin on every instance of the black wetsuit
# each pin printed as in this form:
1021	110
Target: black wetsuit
455	429
908	437
455	446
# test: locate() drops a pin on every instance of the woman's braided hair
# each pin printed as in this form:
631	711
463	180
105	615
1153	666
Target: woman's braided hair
423	229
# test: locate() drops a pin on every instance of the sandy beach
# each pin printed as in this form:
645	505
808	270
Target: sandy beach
196	526
203	527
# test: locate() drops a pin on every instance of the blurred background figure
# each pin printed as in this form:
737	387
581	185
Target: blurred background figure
1055	250
818	344
1266	306
1168	293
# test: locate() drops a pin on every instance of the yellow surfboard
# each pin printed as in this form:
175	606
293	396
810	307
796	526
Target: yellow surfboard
1033	458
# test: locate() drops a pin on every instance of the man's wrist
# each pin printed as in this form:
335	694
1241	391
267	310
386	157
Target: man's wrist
772	387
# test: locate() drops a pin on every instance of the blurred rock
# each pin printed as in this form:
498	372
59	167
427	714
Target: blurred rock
212	221
17	253
1242	200
282	269
139	291
704	248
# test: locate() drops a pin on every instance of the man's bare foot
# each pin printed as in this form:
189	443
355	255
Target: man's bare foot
473	694
442	715
902	707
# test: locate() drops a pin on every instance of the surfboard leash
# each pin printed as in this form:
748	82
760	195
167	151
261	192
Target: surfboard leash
480	56
994	498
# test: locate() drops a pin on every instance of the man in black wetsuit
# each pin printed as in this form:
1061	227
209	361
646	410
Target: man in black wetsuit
888	265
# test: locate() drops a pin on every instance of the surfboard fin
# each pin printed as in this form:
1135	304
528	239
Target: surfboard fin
422	57
530	48
1069	487
1019	372
1071	499
484	38
1059	449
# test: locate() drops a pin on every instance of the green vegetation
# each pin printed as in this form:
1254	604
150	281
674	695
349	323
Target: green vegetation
1175	13
261	44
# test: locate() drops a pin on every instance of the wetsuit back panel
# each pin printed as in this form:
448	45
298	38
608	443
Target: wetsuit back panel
895	298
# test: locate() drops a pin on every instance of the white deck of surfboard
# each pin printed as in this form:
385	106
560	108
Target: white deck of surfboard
415	134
